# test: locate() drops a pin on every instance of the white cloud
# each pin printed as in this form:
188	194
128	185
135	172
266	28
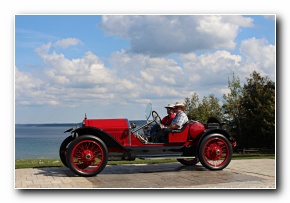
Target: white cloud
259	55
210	69
147	77
134	78
65	43
29	90
164	34
42	50
69	82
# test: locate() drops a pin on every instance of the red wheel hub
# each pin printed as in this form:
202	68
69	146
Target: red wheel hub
87	155
214	152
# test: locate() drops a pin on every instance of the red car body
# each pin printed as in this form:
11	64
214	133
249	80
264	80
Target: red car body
89	147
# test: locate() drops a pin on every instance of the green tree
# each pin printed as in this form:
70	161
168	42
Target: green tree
192	107
209	107
248	111
231	107
257	115
201	111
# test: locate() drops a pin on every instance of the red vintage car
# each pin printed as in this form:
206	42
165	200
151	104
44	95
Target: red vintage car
89	147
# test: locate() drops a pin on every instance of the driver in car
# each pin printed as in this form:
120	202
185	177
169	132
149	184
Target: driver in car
166	121
177	123
180	119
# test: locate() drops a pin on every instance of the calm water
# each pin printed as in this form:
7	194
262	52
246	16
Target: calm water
41	141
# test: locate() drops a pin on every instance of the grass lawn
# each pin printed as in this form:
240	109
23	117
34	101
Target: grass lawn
35	163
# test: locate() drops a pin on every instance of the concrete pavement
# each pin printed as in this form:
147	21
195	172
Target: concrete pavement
242	174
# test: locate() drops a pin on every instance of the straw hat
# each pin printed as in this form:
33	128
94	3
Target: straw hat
169	106
180	104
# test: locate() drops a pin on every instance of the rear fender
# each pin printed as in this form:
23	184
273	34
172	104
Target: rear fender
212	131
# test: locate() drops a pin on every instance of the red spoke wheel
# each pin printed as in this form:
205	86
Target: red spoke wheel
63	148
87	155
215	152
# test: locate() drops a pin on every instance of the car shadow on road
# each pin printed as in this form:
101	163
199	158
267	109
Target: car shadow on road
123	169
55	172
150	168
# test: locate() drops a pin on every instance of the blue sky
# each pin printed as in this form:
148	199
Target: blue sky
113	65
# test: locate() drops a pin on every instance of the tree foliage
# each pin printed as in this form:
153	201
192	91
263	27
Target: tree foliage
258	112
202	110
249	111
231	106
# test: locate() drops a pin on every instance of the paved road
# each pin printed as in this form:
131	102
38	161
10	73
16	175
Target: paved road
245	174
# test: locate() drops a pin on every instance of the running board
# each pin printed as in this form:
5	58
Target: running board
167	157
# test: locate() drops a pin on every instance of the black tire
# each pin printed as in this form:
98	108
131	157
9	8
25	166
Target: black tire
189	162
87	155
63	148
215	152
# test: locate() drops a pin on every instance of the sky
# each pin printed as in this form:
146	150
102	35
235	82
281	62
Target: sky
111	66
36	68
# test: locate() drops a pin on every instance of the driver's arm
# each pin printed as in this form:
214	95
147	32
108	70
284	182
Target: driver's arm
174	126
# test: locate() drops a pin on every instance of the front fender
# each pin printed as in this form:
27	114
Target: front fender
110	141
69	130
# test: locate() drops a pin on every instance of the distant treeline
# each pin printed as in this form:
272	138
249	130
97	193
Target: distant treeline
138	122
48	125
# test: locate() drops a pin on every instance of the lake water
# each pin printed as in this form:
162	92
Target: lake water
41	140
